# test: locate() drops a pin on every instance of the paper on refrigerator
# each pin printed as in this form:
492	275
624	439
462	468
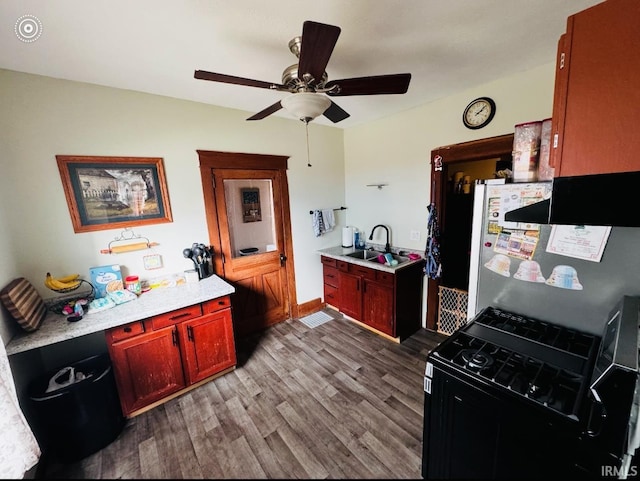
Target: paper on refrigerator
579	241
507	197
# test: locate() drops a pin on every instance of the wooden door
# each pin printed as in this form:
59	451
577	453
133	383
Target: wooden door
207	345
442	159
247	206
147	368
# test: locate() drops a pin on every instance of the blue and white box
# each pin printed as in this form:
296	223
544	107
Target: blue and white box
106	279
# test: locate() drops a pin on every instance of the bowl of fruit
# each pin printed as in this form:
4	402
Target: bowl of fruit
77	294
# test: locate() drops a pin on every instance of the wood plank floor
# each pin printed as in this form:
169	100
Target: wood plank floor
334	401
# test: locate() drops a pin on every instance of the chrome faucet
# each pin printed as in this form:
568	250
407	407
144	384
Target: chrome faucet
387	247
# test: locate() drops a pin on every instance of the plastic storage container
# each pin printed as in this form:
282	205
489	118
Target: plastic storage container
545	171
132	283
77	418
526	151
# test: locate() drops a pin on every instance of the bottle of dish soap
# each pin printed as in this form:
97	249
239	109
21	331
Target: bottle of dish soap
362	241
356	237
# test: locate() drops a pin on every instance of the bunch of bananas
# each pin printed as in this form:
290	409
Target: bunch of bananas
66	283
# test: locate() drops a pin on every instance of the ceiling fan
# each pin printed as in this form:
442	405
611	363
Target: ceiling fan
307	80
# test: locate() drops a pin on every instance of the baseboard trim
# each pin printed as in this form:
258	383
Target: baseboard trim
309	307
372	329
178	393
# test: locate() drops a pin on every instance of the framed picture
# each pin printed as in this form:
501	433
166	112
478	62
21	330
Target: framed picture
114	192
251	204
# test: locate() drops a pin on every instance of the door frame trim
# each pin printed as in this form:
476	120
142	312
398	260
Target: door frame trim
212	159
481	149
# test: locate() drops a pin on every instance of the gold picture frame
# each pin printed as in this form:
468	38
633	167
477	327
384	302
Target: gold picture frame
114	192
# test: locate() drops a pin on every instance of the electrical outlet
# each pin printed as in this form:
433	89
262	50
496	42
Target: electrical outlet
414	235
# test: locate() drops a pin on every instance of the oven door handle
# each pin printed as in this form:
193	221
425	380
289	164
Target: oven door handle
597	417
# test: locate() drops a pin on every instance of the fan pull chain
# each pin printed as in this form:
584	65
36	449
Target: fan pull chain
306	126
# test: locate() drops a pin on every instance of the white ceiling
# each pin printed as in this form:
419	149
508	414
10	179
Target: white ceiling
155	45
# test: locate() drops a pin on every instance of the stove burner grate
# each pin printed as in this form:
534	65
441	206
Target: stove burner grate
531	378
477	359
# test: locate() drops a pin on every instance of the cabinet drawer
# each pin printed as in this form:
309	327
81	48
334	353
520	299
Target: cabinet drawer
216	304
173	317
331	295
328	261
330	275
385	278
365	272
343	266
125	332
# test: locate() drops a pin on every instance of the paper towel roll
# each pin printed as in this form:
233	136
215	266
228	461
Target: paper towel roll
347	236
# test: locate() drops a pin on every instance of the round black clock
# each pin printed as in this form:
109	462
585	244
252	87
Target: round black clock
479	113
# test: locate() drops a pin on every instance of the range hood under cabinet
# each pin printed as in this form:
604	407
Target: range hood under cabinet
603	199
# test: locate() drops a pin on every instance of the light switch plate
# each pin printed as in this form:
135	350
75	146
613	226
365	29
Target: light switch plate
414	235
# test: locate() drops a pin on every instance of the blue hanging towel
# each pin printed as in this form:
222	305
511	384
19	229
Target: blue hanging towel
433	267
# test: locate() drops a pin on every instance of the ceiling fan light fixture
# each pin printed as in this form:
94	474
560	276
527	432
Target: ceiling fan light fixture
306	106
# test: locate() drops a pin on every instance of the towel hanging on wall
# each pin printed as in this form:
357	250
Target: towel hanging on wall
328	219
318	223
323	220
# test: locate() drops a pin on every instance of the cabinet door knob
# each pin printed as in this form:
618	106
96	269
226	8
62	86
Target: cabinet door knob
127	329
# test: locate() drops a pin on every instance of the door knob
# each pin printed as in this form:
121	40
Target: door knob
283	259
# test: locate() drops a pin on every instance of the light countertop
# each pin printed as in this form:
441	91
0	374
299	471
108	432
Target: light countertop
341	253
55	328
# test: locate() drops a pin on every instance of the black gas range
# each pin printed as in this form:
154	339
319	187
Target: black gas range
510	396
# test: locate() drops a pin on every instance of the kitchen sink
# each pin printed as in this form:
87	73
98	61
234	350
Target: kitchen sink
366	255
372	256
400	259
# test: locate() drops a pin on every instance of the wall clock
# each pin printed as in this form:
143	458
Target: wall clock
479	113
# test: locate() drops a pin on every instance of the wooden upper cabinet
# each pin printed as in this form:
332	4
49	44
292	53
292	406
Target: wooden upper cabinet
595	115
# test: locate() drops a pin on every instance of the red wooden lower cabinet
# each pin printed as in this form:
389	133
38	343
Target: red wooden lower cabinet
389	302
166	354
378	307
207	345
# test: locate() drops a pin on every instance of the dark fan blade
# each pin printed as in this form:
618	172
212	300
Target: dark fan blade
318	41
266	112
374	85
230	79
335	113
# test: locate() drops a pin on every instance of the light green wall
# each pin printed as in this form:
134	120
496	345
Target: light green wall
41	117
397	150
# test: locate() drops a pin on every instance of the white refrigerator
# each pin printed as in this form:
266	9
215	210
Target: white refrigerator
516	268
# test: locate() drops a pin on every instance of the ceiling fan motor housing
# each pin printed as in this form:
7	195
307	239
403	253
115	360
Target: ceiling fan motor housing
291	79
307	79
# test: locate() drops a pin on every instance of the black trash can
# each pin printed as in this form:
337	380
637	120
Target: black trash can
81	417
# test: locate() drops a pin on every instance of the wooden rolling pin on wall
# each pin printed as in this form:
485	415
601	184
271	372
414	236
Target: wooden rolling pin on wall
128	248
